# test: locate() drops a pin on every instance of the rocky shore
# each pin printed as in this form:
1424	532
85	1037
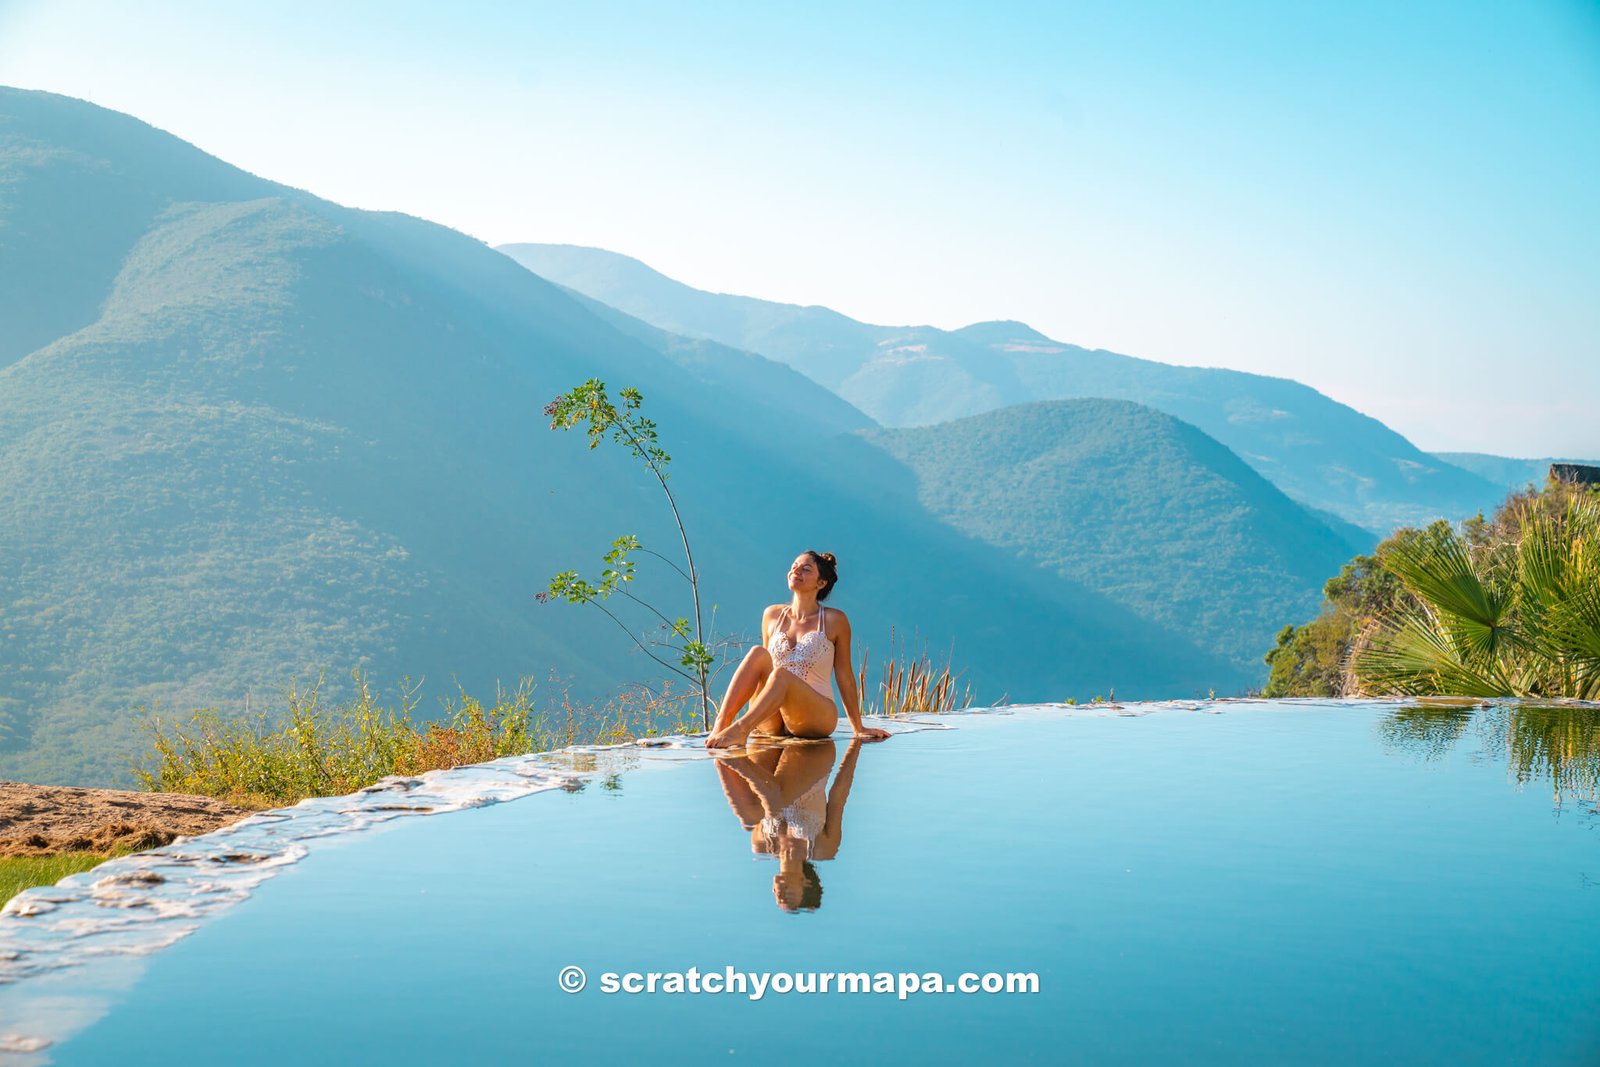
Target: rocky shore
44	820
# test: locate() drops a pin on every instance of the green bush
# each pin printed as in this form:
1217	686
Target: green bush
1505	609
1505	606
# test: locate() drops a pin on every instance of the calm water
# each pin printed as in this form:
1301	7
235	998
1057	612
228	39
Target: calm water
1232	883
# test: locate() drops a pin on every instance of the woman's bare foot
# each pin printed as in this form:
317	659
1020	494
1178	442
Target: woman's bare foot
734	735
723	739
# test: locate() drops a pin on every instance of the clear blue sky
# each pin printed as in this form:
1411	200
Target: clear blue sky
1398	203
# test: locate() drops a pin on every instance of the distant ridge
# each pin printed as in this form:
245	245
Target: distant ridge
1514	474
1322	453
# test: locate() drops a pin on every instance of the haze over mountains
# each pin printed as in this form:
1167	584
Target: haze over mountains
247	435
1322	453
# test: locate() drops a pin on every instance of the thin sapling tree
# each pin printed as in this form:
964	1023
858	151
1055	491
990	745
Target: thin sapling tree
590	406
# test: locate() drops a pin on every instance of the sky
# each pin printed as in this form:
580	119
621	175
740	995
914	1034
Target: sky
1396	203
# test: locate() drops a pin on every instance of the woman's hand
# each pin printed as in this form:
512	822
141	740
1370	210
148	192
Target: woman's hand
870	733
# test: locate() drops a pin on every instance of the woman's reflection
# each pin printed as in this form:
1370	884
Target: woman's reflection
777	792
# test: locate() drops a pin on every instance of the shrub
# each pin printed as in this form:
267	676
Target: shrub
310	750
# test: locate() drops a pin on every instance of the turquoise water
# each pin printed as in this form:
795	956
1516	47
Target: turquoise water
1222	883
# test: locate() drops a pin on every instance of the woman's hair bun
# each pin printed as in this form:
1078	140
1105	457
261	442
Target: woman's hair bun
827	570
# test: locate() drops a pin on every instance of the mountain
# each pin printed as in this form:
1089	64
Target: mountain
1135	504
247	435
1322	453
1510	474
1124	499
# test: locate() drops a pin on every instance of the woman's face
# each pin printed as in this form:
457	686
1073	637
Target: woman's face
803	574
788	890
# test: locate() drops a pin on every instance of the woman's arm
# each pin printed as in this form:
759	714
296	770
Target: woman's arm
845	676
827	843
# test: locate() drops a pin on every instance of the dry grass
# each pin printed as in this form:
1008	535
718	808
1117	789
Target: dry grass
913	685
310	750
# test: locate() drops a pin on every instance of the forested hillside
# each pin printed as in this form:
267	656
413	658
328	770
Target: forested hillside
1135	504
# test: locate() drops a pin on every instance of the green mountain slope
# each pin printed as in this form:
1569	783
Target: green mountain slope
1135	504
263	436
1322	453
78	188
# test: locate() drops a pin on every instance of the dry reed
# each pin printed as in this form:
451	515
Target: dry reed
913	685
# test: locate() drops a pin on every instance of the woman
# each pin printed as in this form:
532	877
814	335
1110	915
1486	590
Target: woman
786	679
777	792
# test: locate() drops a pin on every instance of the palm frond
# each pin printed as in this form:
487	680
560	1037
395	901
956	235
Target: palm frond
1410	655
1437	569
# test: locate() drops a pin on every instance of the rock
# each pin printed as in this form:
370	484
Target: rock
1575	473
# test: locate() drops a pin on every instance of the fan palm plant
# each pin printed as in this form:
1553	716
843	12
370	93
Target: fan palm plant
1515	617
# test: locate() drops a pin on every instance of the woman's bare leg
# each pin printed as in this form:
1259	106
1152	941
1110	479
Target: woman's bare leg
802	766
802	711
746	682
744	800
783	698
766	758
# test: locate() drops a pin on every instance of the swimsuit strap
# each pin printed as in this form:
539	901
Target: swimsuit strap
783	612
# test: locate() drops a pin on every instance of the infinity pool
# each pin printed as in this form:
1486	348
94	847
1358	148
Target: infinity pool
1234	882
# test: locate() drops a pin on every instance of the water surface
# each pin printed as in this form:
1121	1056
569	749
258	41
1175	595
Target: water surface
1219	883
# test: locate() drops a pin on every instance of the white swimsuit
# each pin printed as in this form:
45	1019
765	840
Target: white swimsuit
810	658
802	820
